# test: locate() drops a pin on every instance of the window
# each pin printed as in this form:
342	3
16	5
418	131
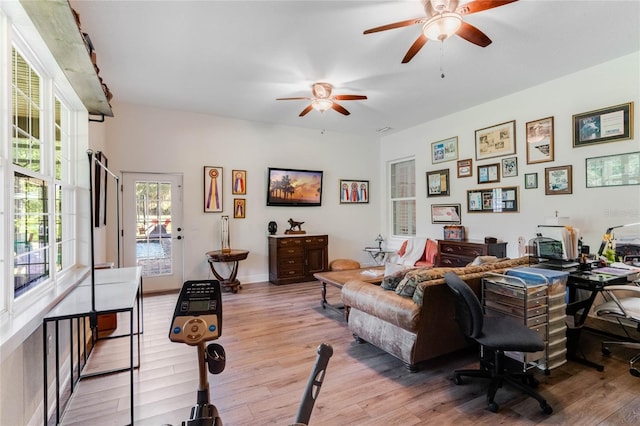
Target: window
42	186
402	179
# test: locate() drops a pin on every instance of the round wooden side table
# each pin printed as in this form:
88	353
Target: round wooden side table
227	256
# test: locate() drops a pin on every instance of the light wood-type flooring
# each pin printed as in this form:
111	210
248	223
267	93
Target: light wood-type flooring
271	333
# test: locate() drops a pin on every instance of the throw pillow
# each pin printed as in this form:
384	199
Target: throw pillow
418	295
403	248
393	274
407	287
481	260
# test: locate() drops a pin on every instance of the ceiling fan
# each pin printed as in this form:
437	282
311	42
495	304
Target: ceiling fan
444	19
322	99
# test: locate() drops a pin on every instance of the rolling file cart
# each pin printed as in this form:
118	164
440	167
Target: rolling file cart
537	297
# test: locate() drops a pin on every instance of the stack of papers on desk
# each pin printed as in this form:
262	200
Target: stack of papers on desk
619	269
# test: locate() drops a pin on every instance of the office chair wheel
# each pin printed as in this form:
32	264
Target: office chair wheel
606	351
457	380
634	372
546	408
493	407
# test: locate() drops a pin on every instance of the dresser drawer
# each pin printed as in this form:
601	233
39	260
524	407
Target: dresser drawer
466	250
289	242
452	261
315	241
290	263
290	252
286	270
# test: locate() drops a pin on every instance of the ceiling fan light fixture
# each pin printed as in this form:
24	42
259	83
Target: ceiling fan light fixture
442	26
321	104
321	90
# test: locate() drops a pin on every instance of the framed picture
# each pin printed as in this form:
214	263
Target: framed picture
212	189
489	173
354	191
530	180
557	180
496	141
438	183
493	200
465	168
239	185
239	206
446	213
509	167
540	140
445	150
613	170
603	125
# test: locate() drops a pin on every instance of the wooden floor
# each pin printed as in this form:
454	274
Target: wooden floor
271	333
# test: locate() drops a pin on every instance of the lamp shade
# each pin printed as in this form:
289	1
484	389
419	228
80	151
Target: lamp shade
321	104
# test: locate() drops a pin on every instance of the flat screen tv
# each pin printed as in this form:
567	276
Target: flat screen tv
293	187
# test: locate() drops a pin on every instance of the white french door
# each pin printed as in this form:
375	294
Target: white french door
153	229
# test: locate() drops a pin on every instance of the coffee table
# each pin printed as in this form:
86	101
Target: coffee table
339	278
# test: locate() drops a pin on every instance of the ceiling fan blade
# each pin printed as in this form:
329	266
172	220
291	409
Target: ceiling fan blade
290	99
415	47
340	109
480	5
305	111
473	35
349	97
396	25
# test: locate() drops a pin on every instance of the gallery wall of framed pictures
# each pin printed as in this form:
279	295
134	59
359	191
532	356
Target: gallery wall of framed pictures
496	160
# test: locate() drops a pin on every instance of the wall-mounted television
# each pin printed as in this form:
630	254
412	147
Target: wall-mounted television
294	187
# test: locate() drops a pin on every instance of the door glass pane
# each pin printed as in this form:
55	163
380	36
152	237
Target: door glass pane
153	224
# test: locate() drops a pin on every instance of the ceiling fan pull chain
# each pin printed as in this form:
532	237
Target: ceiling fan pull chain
441	59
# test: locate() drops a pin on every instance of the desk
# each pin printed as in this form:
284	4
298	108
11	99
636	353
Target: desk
116	290
593	283
233	256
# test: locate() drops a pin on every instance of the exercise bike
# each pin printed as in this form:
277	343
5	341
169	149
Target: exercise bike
197	319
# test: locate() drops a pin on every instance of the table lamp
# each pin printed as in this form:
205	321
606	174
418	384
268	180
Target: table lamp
608	236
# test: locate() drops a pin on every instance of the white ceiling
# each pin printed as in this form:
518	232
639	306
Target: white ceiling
234	58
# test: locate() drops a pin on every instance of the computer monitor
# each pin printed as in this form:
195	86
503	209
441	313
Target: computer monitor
551	249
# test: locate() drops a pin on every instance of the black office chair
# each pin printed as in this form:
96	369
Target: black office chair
495	336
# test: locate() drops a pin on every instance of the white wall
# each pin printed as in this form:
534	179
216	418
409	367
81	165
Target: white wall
144	139
592	210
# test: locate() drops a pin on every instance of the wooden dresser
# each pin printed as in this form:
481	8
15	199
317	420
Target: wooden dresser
460	253
295	258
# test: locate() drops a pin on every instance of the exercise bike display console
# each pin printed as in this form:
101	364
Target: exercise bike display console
197	319
198	314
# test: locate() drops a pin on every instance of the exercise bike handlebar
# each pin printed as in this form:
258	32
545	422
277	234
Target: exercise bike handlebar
313	385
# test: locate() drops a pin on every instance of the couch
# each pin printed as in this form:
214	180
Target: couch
415	322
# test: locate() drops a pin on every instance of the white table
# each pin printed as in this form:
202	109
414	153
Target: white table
116	290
